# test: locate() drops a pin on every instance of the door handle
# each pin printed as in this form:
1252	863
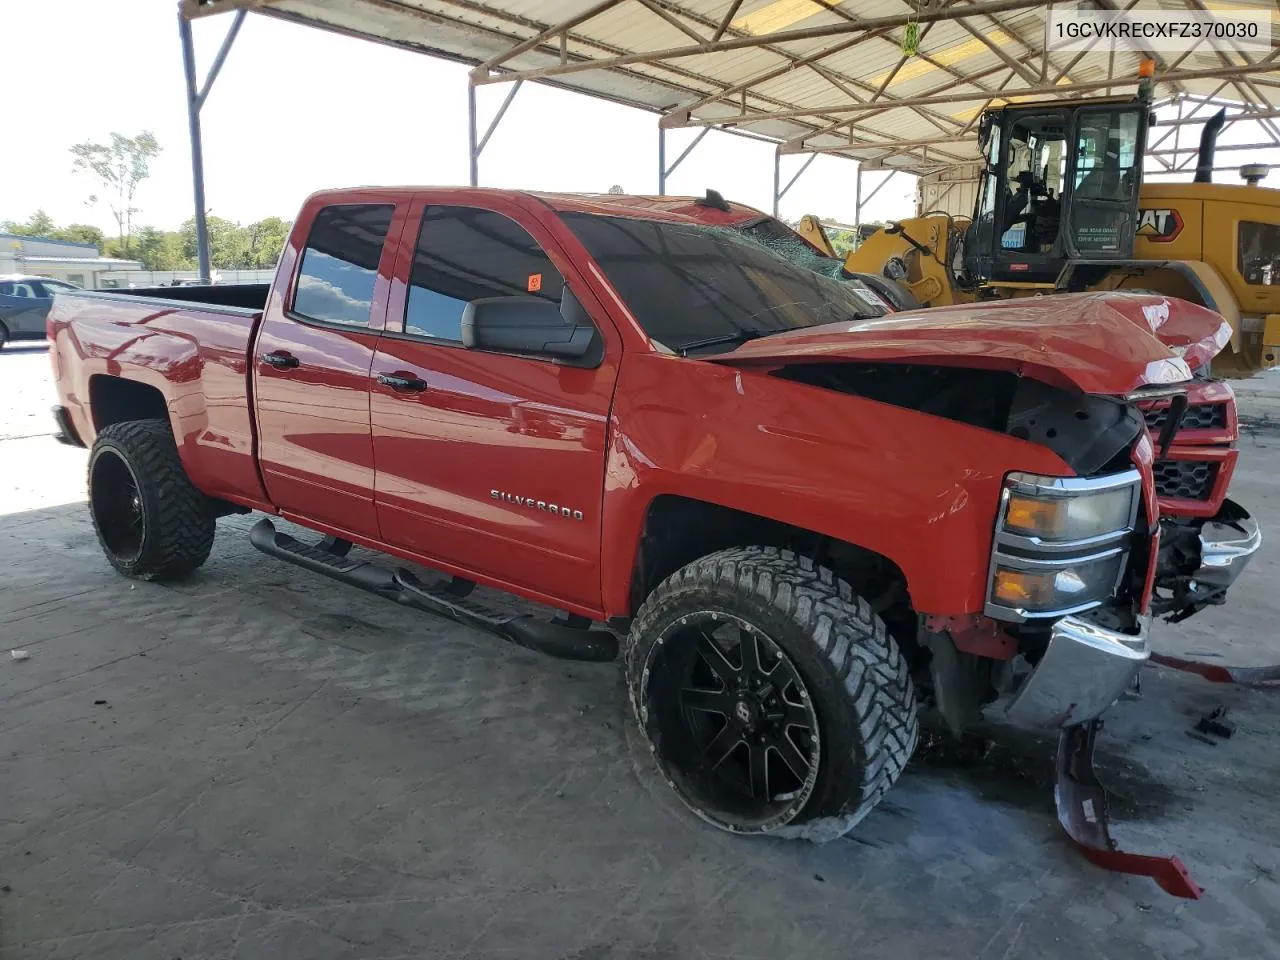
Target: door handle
397	382
280	359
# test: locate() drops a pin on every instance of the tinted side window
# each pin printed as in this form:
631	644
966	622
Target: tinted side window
340	263
6	289
465	254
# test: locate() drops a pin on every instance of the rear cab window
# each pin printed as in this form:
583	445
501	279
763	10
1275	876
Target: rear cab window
340	264
465	254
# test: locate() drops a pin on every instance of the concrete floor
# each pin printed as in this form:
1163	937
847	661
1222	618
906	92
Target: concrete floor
261	763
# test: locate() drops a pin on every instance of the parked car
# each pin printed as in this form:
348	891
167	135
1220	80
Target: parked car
807	518
24	305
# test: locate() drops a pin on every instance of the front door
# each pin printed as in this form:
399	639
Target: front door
490	464
311	369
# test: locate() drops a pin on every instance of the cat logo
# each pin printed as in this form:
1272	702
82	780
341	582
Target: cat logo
1159	226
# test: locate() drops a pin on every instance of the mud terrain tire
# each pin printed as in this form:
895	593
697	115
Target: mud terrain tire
821	639
151	522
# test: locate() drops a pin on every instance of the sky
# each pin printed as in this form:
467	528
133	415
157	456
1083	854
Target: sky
295	110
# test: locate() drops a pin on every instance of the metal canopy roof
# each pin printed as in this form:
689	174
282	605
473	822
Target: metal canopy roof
823	76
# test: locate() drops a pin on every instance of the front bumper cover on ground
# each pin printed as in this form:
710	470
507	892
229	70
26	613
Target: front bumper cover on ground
1084	670
1081	801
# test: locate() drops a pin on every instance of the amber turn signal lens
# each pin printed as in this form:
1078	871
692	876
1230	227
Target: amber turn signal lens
1016	588
1040	518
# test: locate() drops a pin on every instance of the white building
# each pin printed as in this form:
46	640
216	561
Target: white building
77	263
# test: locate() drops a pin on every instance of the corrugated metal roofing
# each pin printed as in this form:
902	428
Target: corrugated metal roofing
815	75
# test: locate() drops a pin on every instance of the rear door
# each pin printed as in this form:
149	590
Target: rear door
312	360
488	463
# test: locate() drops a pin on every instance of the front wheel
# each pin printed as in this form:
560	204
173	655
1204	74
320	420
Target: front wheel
151	522
770	694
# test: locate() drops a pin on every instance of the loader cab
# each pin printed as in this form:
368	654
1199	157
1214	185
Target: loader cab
1061	183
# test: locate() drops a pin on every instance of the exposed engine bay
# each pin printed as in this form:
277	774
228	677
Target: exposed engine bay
1088	432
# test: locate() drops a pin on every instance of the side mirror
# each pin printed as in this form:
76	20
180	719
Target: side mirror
528	325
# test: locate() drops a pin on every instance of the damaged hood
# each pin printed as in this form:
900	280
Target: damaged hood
1101	343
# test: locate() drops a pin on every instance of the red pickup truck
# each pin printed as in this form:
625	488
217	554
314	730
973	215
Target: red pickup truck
807	516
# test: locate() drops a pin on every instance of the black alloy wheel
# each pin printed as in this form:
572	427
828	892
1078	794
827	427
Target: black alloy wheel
117	504
738	716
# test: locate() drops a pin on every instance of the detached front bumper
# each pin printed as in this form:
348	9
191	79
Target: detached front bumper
1201	559
1227	544
1084	670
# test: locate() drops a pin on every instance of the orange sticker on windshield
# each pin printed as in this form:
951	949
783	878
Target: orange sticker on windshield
535	282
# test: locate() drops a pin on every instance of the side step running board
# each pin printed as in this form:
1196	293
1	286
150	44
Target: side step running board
553	639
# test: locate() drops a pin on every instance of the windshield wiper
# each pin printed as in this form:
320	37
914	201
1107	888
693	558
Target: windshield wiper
742	336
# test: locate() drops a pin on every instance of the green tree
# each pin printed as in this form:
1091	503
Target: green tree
161	250
228	242
265	239
39	224
842	241
616	189
119	167
80	233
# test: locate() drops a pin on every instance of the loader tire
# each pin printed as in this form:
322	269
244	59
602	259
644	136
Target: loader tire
151	522
771	695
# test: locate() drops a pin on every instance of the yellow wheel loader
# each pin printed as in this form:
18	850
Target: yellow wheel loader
1061	207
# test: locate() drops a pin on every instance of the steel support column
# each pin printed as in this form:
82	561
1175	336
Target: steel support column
662	161
663	170
475	142
857	205
196	98
870	196
780	191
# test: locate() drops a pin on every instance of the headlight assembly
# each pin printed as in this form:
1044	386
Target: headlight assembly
1060	543
1041	587
1050	509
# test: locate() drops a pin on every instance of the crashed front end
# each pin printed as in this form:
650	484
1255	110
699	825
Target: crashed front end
1070	575
1207	540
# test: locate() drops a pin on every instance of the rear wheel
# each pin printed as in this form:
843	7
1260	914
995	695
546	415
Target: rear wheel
769	693
151	522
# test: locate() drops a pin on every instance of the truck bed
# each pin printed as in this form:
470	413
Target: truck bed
241	296
187	344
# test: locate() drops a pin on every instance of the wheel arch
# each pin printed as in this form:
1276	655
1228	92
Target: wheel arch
676	530
117	399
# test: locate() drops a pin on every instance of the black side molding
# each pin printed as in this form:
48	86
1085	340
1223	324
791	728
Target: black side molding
554	639
66	432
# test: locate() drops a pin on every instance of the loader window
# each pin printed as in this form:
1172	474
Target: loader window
1036	169
466	254
340	264
1106	161
1258	257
